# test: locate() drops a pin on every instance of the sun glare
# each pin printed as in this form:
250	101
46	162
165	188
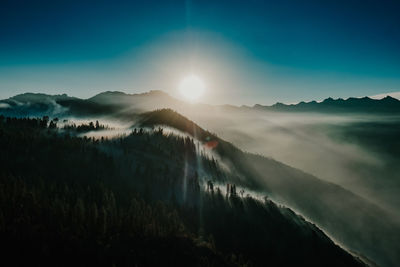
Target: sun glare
192	87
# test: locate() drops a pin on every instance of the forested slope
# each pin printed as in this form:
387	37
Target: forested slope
137	200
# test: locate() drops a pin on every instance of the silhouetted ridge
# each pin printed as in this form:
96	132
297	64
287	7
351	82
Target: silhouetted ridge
108	94
117	94
172	118
352	104
123	105
39	97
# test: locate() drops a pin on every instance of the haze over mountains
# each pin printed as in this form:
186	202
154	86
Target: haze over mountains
349	147
159	99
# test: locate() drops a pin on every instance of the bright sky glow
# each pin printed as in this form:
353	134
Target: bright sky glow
247	52
192	87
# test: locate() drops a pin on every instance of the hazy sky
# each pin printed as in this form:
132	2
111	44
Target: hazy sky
246	52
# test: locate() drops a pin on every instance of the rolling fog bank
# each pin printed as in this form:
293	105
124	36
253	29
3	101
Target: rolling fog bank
352	220
357	151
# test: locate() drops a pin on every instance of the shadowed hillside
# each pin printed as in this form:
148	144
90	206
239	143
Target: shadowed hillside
84	201
351	219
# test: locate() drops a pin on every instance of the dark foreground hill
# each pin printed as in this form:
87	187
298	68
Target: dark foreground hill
349	218
137	200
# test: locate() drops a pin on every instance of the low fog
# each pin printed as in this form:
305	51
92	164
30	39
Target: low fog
349	150
331	147
358	152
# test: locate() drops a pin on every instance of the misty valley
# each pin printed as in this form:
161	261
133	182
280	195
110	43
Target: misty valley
149	180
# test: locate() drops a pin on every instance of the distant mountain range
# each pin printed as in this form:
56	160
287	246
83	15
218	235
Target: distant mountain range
387	104
107	103
392	94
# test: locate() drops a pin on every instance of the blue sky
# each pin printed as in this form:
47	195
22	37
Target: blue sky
245	51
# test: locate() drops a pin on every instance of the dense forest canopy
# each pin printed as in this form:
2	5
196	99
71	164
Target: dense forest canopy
71	200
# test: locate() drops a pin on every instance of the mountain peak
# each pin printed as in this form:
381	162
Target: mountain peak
351	104
109	94
156	93
390	98
327	100
38	97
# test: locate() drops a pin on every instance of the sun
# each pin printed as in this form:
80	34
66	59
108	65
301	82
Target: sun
192	87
